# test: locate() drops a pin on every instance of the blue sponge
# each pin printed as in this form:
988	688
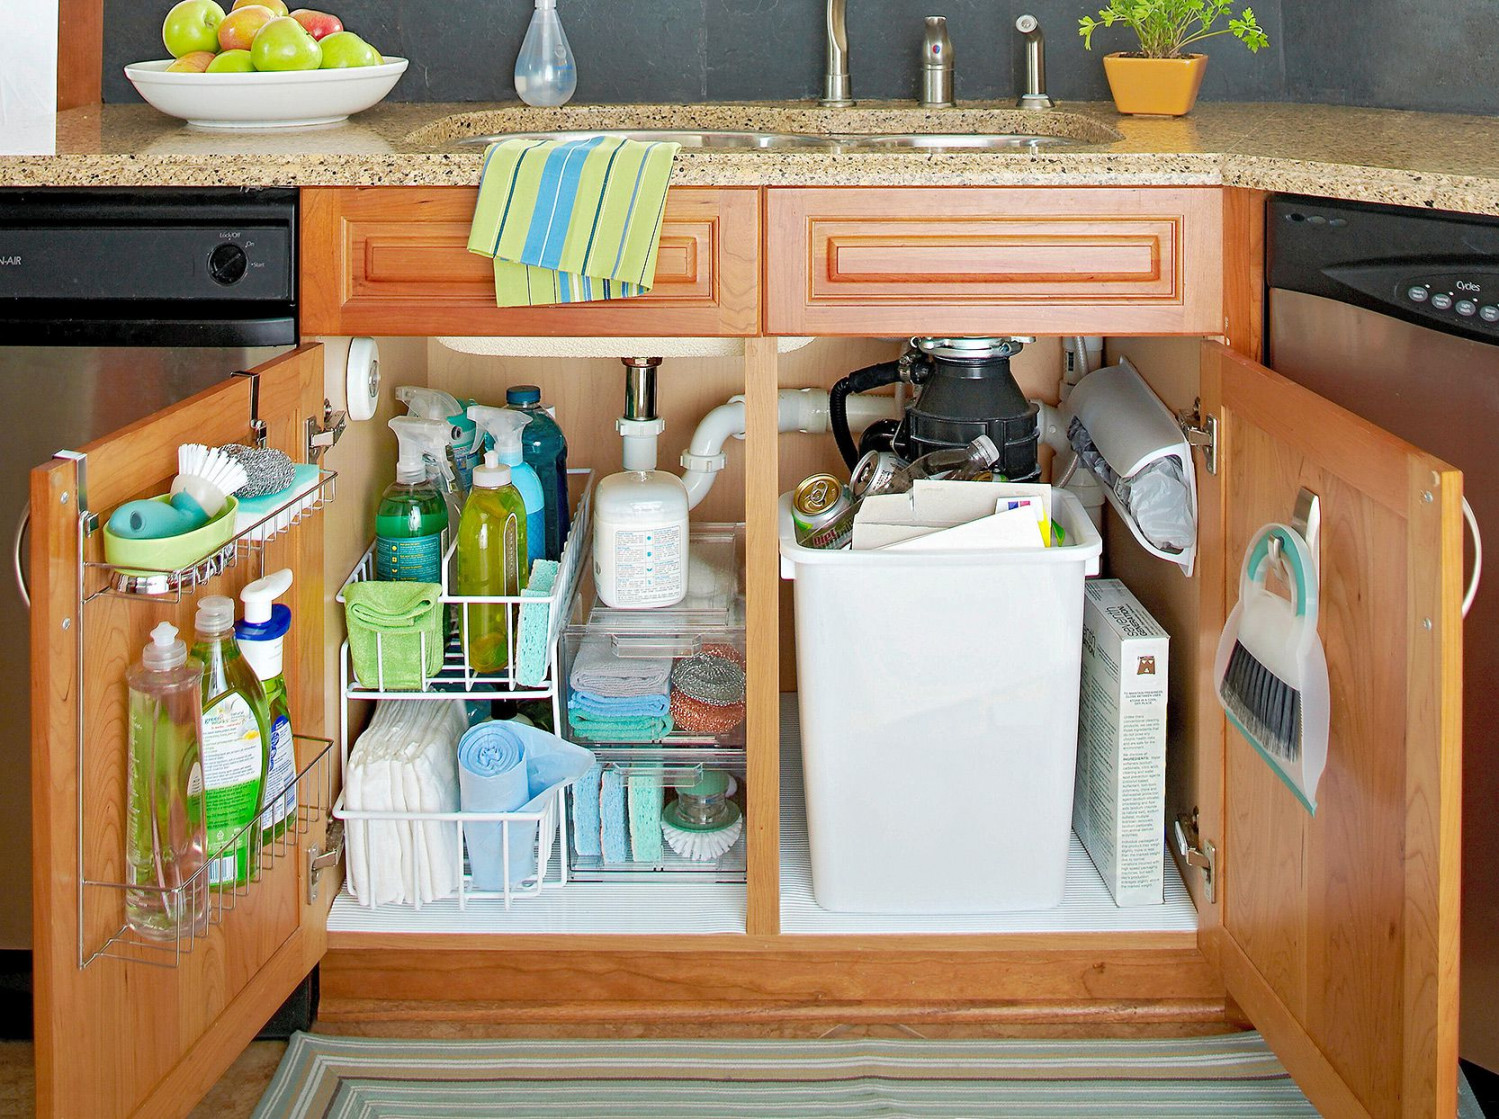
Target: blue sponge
647	795
585	794
534	618
614	832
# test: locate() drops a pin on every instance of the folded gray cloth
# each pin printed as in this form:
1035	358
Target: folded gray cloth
598	671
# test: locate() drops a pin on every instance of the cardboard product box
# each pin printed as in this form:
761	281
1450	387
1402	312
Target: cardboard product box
1118	804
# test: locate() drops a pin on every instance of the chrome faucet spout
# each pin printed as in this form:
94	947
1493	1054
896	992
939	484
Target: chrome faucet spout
837	89
1034	96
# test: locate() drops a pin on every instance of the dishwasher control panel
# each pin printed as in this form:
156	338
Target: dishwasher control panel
1435	269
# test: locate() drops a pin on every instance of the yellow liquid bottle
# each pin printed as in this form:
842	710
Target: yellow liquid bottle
491	563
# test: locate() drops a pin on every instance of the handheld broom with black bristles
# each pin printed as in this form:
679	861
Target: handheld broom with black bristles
1271	670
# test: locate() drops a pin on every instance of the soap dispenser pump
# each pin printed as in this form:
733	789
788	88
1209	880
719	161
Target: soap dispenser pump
545	74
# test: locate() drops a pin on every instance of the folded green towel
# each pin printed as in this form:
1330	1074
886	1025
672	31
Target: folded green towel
387	623
620	728
571	221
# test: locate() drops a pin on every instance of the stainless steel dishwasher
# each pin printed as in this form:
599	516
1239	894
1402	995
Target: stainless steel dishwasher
1394	314
113	305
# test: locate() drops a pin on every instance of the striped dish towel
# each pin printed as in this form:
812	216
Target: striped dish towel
571	221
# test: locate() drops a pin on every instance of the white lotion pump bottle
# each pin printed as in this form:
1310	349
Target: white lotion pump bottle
545	74
640	518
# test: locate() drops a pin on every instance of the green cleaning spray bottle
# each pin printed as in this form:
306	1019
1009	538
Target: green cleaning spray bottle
261	634
504	426
413	518
492	547
236	737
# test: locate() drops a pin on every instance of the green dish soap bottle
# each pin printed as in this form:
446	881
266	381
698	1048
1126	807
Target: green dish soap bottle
236	740
412	522
164	836
261	635
491	563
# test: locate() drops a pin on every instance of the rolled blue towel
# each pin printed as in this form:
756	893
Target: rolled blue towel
492	778
586	814
618	707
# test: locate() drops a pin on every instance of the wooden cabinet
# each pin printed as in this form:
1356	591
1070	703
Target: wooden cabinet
395	261
1010	260
1334	933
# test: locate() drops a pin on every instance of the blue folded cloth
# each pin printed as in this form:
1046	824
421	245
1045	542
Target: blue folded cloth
510	767
618	707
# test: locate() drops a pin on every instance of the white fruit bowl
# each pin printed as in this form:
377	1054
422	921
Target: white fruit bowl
283	99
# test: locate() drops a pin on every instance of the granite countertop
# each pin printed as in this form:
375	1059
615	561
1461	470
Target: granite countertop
1434	160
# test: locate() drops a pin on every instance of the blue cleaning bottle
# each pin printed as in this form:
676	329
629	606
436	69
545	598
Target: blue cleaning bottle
545	449
504	428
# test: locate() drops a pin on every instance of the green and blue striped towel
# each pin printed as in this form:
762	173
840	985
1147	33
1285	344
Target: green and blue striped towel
571	221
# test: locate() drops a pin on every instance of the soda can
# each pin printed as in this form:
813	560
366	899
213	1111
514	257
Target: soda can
879	472
822	512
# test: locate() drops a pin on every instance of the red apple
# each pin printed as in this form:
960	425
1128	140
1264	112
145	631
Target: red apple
238	30
318	24
195	62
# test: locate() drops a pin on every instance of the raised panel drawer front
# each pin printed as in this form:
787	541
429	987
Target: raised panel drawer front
394	260
1016	260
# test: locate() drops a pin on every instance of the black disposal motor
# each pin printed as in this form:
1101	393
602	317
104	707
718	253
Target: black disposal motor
964	389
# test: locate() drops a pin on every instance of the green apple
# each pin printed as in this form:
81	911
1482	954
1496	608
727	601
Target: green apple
275	5
192	25
283	44
195	62
344	48
232	62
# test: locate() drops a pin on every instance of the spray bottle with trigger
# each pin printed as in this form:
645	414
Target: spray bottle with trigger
261	634
465	444
504	426
414	519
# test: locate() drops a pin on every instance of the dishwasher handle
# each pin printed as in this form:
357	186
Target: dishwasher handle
19	551
1473	579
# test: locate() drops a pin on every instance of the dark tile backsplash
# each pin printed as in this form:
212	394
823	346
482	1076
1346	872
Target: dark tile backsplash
1356	52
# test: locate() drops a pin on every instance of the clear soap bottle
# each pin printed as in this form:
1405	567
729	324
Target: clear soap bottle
545	74
164	827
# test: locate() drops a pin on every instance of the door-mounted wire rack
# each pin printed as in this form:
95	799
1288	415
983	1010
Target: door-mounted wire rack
195	905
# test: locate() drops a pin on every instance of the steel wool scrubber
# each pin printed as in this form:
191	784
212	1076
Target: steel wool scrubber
703	824
266	470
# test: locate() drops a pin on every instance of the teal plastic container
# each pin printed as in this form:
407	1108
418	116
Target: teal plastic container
544	449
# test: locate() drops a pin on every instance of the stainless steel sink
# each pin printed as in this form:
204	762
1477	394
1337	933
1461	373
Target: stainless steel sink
951	141
698	139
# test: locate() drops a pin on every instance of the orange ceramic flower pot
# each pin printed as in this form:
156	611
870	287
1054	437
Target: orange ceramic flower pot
1155	86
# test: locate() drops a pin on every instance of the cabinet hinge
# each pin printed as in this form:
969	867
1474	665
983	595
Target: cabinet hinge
321	859
1201	432
321	436
1204	856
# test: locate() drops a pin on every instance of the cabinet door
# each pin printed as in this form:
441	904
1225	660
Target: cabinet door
117	1037
394	260
1338	931
984	260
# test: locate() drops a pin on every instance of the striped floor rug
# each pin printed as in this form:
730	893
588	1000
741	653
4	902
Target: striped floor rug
1233	1076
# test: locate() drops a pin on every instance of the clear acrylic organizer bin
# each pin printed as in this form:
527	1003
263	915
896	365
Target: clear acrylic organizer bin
672	768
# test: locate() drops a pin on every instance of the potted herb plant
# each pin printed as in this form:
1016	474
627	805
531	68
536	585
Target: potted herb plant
1162	77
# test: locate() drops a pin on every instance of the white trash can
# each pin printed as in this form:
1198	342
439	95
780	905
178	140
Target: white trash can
939	697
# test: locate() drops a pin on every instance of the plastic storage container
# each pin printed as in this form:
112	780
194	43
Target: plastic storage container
699	700
939	697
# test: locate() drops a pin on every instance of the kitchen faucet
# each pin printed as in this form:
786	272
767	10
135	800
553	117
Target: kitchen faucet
1034	96
837	90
